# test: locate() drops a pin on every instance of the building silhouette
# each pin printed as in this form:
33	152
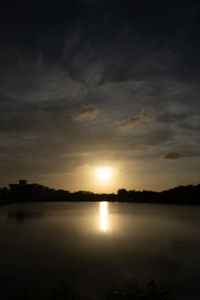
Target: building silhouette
25	191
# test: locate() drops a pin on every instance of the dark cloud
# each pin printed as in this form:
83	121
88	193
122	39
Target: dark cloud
173	155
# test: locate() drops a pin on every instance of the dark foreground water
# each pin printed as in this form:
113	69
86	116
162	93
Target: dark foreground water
93	245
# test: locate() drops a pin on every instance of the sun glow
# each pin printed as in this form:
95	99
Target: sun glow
104	216
104	173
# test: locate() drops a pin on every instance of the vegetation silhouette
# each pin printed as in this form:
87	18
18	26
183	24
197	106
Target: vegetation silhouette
129	291
135	291
21	293
23	191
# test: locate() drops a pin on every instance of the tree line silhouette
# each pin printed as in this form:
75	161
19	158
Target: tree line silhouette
23	191
133	290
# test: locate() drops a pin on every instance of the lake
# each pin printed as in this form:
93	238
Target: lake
94	245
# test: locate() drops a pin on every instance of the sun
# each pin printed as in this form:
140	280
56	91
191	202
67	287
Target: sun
104	173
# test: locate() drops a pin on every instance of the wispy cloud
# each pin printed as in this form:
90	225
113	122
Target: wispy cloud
87	113
143	117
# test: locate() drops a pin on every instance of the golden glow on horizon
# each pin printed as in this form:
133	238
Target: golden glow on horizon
104	173
104	216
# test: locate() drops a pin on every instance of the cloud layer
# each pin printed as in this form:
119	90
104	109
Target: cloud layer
100	82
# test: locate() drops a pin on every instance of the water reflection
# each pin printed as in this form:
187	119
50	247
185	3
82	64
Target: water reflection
104	216
21	216
115	241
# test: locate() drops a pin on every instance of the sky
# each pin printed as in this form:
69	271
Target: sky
86	84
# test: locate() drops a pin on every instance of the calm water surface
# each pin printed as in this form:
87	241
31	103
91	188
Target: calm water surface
93	245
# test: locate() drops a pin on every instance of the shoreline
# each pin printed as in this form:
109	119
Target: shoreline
9	202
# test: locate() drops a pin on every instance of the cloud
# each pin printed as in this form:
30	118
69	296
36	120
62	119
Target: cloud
67	66
173	155
88	113
143	117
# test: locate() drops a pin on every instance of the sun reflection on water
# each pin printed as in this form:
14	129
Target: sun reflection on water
104	216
